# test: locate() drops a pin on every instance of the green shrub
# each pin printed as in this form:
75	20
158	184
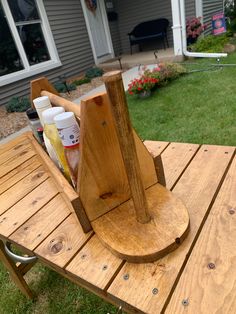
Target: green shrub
211	43
165	72
82	81
18	104
94	72
61	88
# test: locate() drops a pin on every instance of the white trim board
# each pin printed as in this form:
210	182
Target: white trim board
110	55
30	70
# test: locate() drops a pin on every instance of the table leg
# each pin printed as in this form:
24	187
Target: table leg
14	272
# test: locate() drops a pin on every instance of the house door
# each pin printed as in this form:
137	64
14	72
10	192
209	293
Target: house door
98	31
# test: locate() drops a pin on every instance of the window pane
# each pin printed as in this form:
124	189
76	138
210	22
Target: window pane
34	44
23	10
9	57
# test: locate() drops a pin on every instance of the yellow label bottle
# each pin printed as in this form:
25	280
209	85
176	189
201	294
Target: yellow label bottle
51	132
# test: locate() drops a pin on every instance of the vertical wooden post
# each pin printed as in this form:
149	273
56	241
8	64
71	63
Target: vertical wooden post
116	93
16	276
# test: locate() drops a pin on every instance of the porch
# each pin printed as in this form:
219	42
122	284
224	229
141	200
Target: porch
127	61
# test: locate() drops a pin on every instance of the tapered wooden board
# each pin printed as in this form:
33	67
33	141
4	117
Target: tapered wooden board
208	288
103	183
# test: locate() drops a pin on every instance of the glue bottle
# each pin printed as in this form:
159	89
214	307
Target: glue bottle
69	133
52	134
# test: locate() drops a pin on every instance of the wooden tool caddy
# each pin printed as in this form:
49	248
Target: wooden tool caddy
120	191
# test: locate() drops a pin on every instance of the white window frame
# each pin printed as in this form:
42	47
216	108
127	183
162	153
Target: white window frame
30	70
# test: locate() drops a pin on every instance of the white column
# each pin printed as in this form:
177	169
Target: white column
176	28
199	8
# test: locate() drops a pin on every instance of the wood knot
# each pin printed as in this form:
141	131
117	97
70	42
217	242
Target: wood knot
18	146
98	100
23	153
56	248
106	195
38	175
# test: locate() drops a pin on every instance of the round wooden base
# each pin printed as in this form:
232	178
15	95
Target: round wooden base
128	239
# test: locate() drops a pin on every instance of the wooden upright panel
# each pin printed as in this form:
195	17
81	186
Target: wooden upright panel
103	183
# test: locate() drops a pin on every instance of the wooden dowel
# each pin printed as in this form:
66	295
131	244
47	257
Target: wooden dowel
62	102
116	93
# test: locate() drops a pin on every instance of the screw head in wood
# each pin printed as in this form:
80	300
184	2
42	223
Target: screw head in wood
185	302
83	256
154	291
126	276
104	267
232	211
211	266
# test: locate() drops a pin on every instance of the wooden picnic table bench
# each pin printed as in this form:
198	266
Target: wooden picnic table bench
37	214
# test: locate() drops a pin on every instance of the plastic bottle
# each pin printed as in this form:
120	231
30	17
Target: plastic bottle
69	133
41	104
51	132
34	122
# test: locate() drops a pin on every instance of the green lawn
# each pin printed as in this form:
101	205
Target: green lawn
197	108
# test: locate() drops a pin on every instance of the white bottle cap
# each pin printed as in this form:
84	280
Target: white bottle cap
42	102
49	114
65	120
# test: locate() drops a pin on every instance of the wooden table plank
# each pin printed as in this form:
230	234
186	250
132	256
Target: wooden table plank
27	207
177	156
18	169
15	142
39	226
16	160
22	188
204	287
95	264
65	241
155	147
17	150
23	170
196	188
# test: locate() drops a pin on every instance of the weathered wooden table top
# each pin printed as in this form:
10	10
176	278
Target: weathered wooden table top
198	277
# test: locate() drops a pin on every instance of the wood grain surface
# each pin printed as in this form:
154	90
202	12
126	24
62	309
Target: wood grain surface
209	278
60	246
135	242
196	188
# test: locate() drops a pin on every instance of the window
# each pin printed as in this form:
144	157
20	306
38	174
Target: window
26	42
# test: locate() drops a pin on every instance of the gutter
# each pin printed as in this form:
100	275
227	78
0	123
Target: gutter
184	39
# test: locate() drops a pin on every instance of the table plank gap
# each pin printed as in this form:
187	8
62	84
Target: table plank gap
208	281
196	188
40	225
22	188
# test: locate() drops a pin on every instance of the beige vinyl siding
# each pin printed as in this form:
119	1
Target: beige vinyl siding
210	8
70	34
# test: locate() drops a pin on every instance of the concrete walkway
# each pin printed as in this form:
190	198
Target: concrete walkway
126	76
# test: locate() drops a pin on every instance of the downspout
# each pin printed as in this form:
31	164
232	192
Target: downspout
184	38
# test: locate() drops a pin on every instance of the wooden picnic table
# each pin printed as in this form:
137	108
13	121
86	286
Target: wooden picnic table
198	277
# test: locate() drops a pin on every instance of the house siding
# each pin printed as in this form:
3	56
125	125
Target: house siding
211	7
69	30
133	12
190	8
